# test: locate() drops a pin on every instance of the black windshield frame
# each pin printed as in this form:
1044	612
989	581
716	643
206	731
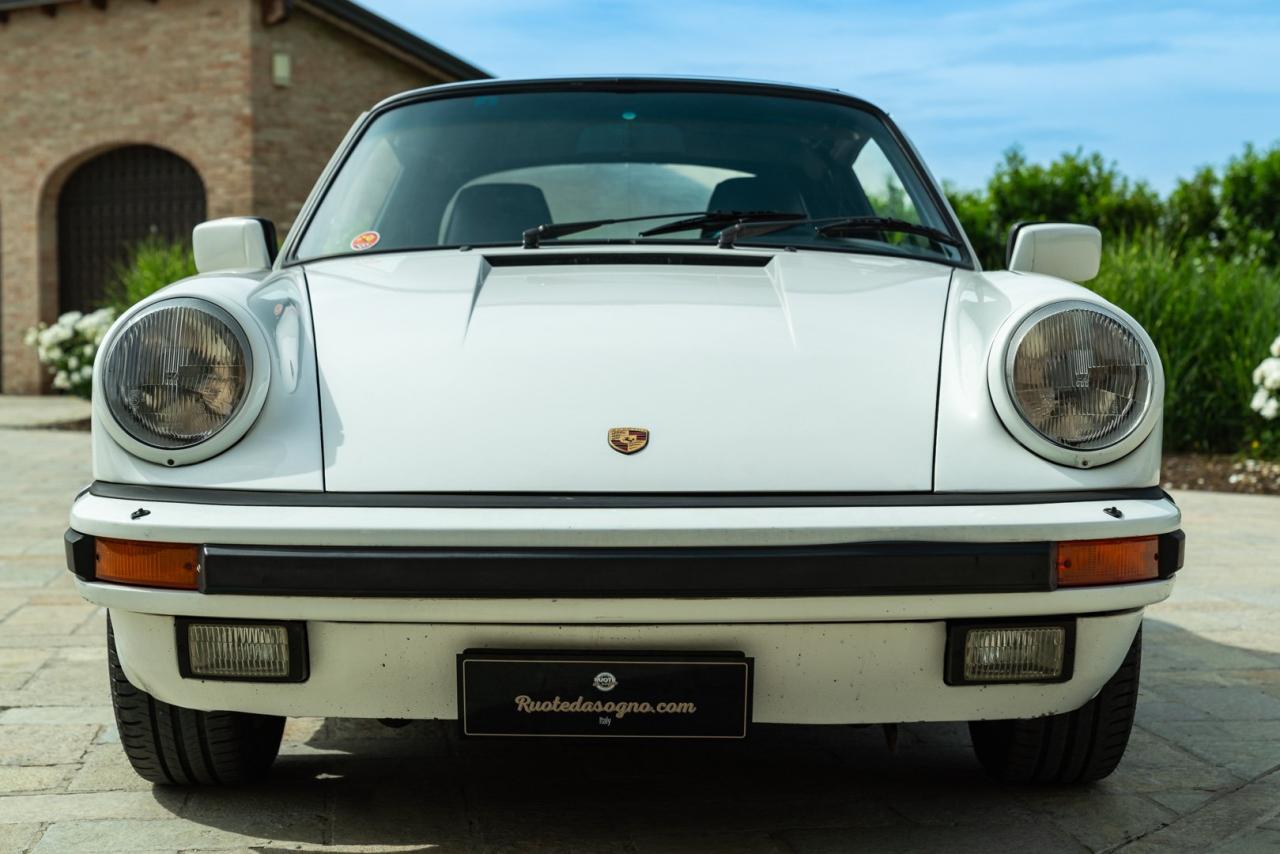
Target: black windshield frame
288	255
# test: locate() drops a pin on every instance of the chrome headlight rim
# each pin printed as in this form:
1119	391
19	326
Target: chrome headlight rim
242	325
1000	372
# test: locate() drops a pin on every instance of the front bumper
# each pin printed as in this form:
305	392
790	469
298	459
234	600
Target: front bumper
867	647
805	673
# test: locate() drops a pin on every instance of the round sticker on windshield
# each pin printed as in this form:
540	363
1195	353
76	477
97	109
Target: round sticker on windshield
365	240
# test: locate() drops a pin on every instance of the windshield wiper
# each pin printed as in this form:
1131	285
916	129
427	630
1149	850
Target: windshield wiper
533	237
550	230
837	227
712	218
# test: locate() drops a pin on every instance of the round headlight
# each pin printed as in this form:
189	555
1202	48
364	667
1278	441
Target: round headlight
178	374
1082	379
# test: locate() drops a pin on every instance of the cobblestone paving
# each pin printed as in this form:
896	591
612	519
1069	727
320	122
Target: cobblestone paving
1201	772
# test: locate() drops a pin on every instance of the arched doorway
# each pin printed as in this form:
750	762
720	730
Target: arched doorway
112	202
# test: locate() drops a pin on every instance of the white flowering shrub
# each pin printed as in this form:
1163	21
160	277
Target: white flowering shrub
1266	397
68	346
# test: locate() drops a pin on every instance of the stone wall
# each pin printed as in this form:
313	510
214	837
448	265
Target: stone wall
191	76
174	75
335	76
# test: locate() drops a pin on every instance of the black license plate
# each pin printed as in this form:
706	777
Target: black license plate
614	695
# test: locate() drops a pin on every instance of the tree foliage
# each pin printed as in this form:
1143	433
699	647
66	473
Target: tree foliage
1077	187
1232	212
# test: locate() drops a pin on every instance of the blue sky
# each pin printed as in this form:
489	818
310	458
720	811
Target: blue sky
1159	87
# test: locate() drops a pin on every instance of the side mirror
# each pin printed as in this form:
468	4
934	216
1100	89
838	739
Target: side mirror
241	244
1071	252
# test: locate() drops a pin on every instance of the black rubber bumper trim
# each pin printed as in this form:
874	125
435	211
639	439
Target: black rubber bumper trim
840	570
567	259
540	500
860	569
1170	553
80	554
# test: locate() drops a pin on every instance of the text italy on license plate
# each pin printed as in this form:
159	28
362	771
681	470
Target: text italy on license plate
614	695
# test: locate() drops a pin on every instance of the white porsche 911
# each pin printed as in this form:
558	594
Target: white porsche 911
626	408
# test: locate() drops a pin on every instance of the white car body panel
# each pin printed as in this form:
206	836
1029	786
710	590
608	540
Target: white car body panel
588	527
281	451
441	373
974	450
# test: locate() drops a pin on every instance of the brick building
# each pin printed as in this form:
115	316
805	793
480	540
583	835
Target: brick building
124	118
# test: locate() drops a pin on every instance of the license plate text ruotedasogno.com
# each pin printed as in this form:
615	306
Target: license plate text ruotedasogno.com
619	709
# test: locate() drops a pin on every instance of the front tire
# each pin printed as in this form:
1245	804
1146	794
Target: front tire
1070	748
170	745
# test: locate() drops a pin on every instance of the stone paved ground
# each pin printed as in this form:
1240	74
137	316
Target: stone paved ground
18	410
1201	772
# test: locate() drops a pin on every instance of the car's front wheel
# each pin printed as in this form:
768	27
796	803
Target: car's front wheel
168	744
1074	747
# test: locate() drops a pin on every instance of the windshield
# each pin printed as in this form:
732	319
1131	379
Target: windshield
480	169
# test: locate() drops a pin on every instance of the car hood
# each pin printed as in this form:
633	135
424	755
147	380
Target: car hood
457	371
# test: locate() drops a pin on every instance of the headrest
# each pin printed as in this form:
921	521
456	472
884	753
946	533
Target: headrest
495	213
755	194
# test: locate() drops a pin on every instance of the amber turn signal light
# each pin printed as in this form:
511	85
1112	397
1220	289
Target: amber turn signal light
147	564
1088	562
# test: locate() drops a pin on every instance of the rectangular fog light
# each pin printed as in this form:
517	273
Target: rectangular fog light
242	651
980	654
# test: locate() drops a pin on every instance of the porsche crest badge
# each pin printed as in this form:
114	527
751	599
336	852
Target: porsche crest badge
628	440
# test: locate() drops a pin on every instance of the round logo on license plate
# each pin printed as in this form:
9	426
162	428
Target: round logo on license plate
605	681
